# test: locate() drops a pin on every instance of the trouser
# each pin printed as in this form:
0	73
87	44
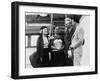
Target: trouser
57	58
68	61
45	57
77	59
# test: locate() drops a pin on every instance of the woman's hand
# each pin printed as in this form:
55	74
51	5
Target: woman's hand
51	37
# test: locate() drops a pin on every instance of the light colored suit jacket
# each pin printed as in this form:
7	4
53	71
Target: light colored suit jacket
77	40
76	43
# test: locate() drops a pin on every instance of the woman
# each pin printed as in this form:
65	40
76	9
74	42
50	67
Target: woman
43	46
57	46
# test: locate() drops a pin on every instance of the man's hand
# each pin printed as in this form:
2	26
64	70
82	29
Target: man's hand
69	53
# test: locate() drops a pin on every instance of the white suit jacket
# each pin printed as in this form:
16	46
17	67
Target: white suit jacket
77	40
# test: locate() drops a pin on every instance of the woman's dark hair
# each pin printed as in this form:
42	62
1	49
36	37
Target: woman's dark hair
60	30
55	28
43	27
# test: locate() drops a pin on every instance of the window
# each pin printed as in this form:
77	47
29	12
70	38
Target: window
34	40
26	41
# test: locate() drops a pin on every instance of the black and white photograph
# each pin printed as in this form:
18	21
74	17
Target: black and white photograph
56	39
53	40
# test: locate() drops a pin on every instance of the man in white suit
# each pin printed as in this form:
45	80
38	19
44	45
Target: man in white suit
77	41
